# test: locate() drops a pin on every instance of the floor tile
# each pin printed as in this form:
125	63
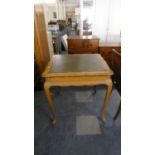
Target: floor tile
87	125
83	96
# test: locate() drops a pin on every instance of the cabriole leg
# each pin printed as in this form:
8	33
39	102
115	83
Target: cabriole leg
109	84
50	103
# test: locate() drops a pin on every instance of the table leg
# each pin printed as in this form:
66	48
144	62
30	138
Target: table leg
108	83
50	103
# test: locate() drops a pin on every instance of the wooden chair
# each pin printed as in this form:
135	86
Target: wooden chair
116	66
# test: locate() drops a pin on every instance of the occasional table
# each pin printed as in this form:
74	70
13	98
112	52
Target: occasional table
77	70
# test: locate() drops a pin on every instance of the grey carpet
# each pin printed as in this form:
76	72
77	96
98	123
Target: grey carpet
63	139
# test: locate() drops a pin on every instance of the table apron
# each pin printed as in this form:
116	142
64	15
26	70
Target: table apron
77	80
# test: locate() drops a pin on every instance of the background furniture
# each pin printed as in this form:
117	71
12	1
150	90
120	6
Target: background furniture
57	36
116	66
75	70
83	44
41	50
64	43
87	33
105	49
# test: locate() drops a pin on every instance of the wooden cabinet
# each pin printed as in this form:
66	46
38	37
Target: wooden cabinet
41	50
106	53
105	50
111	52
83	45
116	67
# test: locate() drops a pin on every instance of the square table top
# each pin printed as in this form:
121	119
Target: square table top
77	64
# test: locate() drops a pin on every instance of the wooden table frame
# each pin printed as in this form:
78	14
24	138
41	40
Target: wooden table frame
77	79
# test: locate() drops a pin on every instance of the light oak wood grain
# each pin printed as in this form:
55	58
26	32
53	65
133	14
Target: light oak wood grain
41	50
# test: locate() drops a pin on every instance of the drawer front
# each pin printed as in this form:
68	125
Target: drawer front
82	51
108	50
90	44
105	50
118	49
73	44
83	44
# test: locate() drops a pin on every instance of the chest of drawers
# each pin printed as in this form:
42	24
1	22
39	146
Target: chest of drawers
83	45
